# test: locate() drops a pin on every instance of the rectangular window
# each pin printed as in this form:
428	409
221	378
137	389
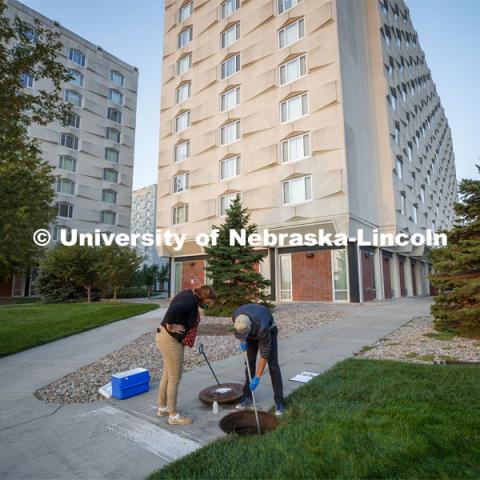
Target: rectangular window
114	115
183	92
185	37
64	210
293	70
180	214
27	80
410	152
285	276
230	133
112	155
399	168
294	108
74	120
230	36
297	190
422	194
182	122
286	5
117	77
230	168
296	148
230	99
73	97
77	78
226	201
229	67
64	185
109	196
228	7
69	141
115	96
76	56
113	135
180	183
340	284
415	214
184	64
67	163
110	175
291	33
403	204
185	12
108	217
182	151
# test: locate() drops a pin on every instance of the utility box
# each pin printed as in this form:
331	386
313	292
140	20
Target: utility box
130	383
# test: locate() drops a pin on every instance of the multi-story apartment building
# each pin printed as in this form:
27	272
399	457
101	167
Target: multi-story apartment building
319	114
93	155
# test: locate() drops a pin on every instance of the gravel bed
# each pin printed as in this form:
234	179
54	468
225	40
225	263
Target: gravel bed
419	342
215	333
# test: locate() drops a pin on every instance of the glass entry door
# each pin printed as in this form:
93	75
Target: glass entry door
285	277
340	281
178	277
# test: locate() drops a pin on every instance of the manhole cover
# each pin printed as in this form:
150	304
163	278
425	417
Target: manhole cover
244	423
225	393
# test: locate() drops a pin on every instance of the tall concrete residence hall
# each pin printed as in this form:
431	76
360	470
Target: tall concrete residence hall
93	155
319	114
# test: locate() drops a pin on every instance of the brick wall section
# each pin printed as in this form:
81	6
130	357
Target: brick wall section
312	276
193	274
368	278
6	288
387	281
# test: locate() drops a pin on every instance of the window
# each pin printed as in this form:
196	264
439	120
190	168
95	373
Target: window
415	214
228	7
422	194
393	99
293	70
76	56
230	168
30	34
73	97
112	155
64	185
185	12
403	204
226	201
183	92
67	163
294	108
108	217
291	33
182	151
70	141
340	285
399	168
109	196
384	6
390	67
114	115
180	214
110	175
180	183
113	135
57	229
397	133
74	120
285	276
182	121
433	226
388	36
230	66
185	37
230	99
77	78
115	96
230	133
117	77
26	80
298	190
64	210
410	152
184	64
230	36
285	5
295	148
428	178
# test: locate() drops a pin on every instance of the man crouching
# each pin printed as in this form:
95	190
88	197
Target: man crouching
257	331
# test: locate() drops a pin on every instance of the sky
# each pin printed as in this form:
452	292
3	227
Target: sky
133	31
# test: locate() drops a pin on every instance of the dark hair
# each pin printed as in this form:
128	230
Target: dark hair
206	291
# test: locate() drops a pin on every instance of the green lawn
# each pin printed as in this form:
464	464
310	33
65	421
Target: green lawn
361	419
26	326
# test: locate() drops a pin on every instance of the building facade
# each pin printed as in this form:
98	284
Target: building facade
93	155
319	114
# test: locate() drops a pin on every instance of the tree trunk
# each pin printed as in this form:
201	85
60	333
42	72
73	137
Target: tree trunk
114	293
89	294
149	292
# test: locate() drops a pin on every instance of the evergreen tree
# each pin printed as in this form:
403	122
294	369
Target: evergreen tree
232	267
457	267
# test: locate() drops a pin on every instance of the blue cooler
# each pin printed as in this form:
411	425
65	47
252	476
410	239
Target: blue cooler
130	383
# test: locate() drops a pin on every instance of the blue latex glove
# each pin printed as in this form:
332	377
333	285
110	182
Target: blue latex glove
254	383
244	346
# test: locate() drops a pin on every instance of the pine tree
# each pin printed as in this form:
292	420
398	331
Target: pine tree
457	267
232	267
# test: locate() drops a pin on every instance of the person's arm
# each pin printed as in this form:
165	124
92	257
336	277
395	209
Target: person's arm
173	318
264	346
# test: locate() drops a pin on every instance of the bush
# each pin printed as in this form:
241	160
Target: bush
129	292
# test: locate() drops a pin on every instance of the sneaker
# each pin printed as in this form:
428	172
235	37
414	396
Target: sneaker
279	409
245	404
179	420
162	411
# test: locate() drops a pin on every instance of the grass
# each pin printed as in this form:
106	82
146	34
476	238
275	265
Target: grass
446	336
361	419
27	326
18	300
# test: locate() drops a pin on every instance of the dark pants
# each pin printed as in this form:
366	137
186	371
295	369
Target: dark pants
273	367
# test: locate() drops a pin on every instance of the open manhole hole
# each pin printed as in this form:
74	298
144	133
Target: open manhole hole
223	393
244	423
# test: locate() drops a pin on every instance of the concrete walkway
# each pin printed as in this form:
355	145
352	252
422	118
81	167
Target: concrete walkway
124	439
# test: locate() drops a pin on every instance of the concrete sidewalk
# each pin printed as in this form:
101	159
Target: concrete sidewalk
124	439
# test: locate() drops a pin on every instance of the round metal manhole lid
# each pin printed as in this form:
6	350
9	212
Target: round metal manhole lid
225	393
244	423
